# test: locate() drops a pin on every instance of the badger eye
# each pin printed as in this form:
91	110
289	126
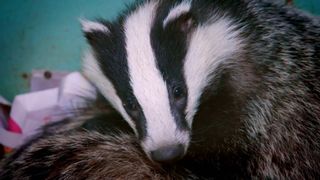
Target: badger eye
131	105
178	92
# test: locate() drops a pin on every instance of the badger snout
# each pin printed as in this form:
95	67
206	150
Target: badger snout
166	146
168	154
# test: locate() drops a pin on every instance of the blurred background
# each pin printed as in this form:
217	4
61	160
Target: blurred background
46	34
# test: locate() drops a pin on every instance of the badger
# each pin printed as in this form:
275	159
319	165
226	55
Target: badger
220	88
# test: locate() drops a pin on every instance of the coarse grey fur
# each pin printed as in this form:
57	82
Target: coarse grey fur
271	100
87	147
87	155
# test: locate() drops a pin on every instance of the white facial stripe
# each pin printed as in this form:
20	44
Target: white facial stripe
209	46
176	11
93	72
91	26
146	80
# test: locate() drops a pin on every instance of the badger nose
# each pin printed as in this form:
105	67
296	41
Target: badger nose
168	154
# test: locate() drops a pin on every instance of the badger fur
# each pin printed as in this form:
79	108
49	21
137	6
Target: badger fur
87	155
220	88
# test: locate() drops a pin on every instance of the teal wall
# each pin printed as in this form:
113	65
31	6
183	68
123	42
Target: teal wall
45	34
311	5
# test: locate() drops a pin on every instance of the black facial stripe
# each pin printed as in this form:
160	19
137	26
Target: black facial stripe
170	47
140	122
109	49
178	110
110	52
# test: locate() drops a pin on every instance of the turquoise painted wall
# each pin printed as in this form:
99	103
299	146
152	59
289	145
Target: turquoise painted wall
311	5
45	34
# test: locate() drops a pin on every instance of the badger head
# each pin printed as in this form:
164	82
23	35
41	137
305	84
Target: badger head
152	65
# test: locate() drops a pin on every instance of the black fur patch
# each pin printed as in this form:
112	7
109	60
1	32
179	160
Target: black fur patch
109	50
169	44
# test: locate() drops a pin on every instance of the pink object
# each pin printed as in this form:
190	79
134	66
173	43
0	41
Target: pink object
13	126
10	132
33	110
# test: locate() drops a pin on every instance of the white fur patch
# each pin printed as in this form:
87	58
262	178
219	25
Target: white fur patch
176	11
147	82
210	44
93	72
91	26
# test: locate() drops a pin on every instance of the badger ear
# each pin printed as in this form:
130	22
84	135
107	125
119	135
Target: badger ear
95	31
180	16
93	26
185	22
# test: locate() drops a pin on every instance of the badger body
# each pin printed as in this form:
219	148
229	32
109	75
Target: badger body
223	88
